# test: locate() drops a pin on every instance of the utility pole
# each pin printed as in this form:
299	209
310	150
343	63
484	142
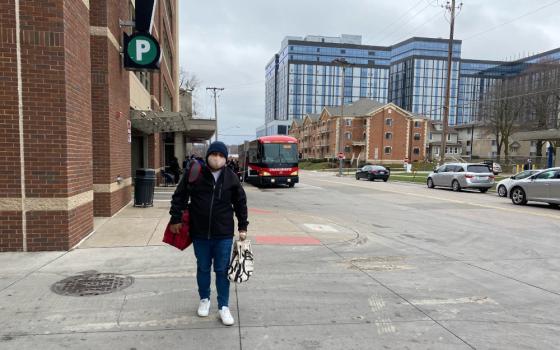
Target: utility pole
451	8
343	64
214	92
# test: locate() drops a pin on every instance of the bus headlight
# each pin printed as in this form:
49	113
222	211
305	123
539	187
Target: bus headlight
295	173
265	173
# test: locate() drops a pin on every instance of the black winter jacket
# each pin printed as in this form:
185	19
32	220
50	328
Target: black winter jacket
212	204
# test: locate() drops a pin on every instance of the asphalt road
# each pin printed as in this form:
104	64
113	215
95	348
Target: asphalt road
339	264
444	270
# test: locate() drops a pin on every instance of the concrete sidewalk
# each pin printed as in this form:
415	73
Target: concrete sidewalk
158	310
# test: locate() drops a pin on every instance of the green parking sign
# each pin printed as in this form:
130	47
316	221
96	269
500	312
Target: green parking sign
142	51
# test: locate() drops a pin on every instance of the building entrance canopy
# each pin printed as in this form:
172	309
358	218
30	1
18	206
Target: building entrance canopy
151	122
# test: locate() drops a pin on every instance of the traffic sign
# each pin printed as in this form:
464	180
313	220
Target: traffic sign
142	51
340	155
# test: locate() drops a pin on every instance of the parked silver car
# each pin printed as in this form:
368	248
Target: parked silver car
543	186
462	175
503	187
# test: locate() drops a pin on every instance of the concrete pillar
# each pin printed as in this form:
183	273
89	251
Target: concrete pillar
179	141
46	196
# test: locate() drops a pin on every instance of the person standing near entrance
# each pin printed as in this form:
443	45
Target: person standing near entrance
214	198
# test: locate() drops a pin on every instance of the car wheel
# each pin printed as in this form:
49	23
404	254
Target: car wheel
483	190
518	196
554	205
456	186
357	177
430	183
291	184
385	179
502	192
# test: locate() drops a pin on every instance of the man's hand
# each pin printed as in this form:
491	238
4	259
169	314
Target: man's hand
175	228
242	235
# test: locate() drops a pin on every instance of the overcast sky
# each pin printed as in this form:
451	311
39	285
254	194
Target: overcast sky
227	43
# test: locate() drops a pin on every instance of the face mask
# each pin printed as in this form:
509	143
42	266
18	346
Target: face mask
216	162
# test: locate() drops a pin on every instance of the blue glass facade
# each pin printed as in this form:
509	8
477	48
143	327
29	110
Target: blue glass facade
302	77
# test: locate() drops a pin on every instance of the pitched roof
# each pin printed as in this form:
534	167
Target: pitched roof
313	117
364	107
361	107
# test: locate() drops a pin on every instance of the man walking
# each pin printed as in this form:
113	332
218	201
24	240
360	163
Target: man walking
214	198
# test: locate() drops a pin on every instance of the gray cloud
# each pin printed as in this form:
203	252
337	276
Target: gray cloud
227	43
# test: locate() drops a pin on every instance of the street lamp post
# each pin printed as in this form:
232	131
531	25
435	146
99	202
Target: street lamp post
342	63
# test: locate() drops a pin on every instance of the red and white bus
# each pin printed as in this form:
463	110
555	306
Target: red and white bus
270	160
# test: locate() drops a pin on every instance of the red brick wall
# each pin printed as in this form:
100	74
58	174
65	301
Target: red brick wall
9	137
111	104
398	143
11	238
57	120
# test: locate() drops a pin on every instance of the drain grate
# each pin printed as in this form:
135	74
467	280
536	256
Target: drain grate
92	283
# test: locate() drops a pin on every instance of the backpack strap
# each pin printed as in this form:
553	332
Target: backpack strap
194	172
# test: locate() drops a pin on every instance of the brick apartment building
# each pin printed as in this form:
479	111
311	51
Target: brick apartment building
370	131
65	128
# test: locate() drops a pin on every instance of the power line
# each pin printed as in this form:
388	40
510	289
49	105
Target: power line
409	20
430	20
511	20
400	18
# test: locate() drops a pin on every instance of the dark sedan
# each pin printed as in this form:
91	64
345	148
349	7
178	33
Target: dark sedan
373	172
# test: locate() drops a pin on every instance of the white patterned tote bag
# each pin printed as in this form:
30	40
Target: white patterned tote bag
242	263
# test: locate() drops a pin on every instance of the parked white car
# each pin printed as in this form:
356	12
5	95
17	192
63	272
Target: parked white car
496	168
503	187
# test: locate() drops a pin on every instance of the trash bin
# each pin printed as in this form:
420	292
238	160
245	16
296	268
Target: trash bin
144	184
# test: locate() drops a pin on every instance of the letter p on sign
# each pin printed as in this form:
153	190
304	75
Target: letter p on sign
142	47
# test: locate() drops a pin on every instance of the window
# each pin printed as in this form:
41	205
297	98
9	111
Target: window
551	174
389	121
347	149
349	136
387	150
448	137
348	122
431	136
318	50
416	151
493	142
388	136
417	137
417	124
371	53
342	51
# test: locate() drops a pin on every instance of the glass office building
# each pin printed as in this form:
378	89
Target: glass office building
302	78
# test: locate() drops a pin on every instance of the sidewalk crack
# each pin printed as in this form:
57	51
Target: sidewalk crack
121	310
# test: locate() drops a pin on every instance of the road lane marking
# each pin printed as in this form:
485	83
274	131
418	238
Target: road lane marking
376	303
320	228
517	211
466	300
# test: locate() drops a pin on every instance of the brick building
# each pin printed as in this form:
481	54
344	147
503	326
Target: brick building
66	136
370	131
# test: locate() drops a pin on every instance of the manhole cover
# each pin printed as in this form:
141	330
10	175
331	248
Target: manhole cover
92	283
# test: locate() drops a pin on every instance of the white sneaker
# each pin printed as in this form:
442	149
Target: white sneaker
225	315
204	307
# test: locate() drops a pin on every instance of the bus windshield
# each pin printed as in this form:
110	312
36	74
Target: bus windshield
280	153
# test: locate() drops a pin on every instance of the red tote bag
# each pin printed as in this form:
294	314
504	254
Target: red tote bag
182	239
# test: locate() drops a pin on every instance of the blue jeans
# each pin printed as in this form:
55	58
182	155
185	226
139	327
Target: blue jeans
219	251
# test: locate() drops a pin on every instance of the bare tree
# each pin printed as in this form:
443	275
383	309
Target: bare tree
541	83
188	83
502	107
187	80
